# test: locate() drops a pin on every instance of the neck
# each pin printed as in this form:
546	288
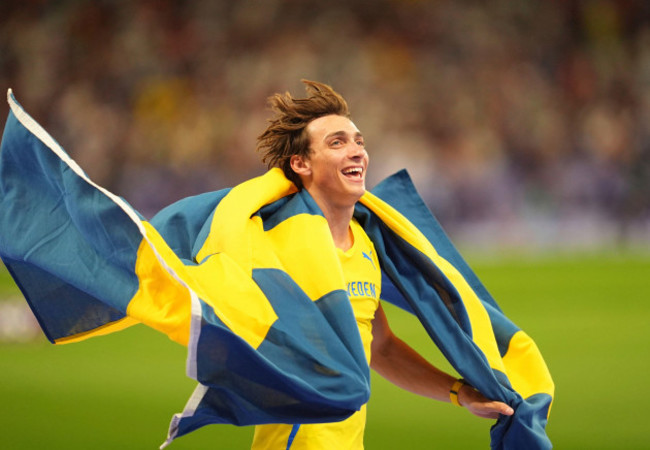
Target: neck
340	229
338	220
338	215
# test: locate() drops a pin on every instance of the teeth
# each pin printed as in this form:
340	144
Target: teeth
353	170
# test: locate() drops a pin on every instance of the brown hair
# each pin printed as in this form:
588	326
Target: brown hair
286	134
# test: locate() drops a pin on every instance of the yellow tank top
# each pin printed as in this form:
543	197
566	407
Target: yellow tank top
363	280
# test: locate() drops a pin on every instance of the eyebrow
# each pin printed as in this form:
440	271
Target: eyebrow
342	134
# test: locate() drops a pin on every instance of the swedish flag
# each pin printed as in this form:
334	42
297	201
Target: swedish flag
249	280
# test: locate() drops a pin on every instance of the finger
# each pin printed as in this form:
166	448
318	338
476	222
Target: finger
504	409
500	408
492	410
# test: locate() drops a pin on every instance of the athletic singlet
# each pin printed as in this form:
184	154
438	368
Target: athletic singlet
363	280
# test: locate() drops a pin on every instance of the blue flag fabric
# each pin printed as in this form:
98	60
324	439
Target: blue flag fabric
247	278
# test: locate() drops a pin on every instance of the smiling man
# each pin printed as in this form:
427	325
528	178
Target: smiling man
274	285
322	151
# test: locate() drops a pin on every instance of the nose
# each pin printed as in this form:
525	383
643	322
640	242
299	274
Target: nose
356	151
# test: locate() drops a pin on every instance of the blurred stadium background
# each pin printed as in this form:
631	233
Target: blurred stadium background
526	128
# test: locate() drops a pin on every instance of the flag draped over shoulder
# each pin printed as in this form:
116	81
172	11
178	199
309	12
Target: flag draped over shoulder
424	274
264	347
248	278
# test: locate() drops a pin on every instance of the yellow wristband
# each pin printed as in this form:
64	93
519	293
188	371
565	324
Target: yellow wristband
455	389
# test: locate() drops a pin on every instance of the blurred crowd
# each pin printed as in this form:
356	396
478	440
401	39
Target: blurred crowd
521	122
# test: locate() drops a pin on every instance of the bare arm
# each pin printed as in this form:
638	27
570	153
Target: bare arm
394	360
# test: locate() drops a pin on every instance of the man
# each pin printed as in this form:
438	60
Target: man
253	281
319	148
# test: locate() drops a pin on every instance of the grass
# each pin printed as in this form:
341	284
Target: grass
588	314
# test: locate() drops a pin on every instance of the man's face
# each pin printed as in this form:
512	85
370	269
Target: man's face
334	173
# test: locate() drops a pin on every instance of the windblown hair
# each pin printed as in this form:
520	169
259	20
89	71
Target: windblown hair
287	134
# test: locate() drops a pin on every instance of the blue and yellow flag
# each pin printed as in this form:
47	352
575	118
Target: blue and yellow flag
249	280
266	344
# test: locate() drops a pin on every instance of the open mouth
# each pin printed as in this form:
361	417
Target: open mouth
353	172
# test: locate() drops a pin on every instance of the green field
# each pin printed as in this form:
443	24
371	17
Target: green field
588	314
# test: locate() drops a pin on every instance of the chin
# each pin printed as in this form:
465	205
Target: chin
359	193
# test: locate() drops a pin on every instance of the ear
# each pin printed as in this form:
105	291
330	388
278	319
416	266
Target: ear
300	165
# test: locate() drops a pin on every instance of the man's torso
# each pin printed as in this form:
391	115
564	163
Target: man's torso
363	282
